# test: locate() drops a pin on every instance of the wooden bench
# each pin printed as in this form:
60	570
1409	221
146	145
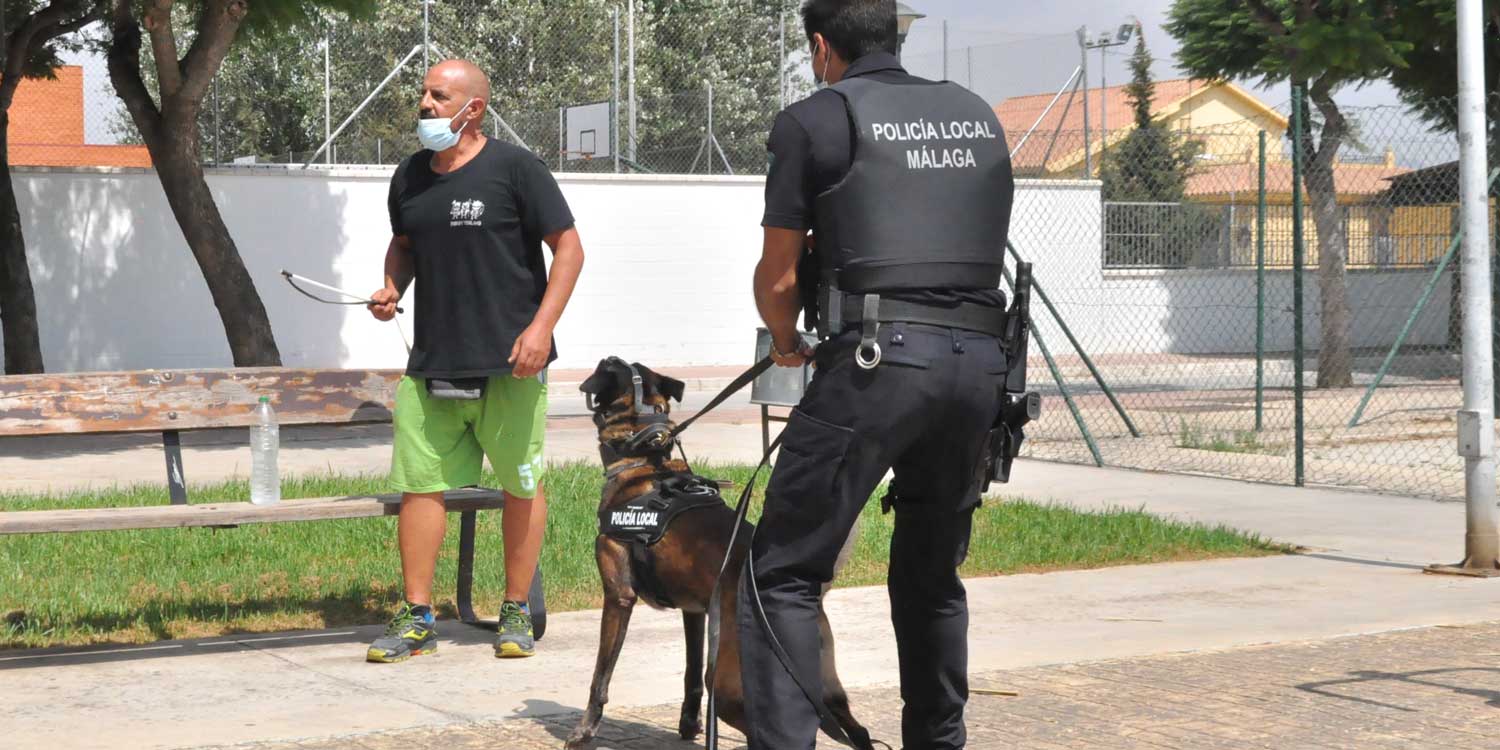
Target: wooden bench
173	402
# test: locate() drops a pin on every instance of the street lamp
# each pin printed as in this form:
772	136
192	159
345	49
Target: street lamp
905	17
1101	41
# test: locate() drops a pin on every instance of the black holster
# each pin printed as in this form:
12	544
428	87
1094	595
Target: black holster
1018	406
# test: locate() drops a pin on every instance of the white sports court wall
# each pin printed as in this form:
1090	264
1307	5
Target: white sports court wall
666	282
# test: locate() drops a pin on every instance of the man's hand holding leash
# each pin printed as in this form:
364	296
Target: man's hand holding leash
383	304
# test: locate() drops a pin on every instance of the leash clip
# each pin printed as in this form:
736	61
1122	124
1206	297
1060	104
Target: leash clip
869	328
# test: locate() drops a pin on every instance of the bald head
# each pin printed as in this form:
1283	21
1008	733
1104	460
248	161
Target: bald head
450	84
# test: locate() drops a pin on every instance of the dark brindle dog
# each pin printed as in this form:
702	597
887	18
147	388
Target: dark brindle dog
630	405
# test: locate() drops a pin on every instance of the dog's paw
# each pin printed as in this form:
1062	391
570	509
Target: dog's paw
579	740
689	729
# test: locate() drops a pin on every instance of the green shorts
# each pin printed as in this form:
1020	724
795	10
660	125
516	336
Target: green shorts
441	444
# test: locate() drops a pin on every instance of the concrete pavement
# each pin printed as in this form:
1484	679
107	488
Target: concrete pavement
1361	576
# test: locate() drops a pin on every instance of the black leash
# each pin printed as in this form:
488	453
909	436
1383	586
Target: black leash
741	515
734	387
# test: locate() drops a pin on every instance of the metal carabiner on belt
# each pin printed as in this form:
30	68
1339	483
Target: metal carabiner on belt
869	328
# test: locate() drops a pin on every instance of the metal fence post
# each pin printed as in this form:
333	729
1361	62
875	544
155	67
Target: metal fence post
1300	475
781	54
630	73
614	95
1476	421
1260	292
327	97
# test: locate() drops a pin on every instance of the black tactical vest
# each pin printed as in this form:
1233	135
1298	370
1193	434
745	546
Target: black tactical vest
926	204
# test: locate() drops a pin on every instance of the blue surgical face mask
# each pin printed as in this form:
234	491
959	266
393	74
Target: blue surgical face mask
437	133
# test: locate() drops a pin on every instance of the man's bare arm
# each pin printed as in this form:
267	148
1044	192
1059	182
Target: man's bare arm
776	295
399	271
529	355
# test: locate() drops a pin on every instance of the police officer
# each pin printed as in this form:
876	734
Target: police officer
906	187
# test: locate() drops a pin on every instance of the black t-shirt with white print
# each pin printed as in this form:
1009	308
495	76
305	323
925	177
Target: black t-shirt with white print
476	237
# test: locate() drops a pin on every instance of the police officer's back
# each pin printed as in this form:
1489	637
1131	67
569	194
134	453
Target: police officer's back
906	186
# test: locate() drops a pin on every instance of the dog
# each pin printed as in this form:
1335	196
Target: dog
631	405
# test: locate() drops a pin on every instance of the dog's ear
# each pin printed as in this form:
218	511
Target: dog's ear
671	388
668	387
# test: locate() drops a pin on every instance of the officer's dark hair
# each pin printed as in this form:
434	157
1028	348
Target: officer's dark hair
854	28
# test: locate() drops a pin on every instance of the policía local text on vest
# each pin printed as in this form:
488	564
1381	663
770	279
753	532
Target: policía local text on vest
927	156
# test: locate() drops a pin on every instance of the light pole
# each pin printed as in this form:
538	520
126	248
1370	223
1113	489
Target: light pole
1101	41
905	17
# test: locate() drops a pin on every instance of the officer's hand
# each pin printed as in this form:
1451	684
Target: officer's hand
796	356
529	355
383	303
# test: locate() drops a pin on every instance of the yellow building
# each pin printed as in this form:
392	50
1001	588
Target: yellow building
1222	116
1226	121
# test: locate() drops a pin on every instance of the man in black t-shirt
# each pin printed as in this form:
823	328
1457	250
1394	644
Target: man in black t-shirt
469	216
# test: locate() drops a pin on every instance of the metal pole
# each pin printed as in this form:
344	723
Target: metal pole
426	42
562	138
389	76
1260	292
614	95
630	72
781	54
327	96
1104	106
1083	53
710	141
1476	422
945	49
218	155
1299	476
1043	116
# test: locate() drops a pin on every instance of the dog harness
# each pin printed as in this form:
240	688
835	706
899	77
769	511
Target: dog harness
643	521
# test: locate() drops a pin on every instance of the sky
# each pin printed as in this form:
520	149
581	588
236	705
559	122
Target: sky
1029	46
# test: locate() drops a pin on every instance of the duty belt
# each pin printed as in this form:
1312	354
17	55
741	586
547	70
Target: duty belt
867	311
965	316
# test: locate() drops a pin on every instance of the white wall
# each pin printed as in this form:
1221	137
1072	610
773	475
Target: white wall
667	279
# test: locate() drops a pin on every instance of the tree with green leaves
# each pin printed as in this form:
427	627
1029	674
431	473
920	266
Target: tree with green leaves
168	120
1152	162
1151	165
1318	47
1429	80
540	55
32	34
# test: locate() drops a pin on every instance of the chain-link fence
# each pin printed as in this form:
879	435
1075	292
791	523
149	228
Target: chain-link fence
589	85
1177	285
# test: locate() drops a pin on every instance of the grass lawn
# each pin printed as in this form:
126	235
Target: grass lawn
140	586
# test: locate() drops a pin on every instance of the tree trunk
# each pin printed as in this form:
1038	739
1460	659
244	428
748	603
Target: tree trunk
246	324
18	322
1335	363
172	138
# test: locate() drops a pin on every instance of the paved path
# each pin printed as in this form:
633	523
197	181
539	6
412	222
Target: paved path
1361	577
1428	688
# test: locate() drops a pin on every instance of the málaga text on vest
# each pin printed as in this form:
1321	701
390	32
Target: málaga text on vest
928	152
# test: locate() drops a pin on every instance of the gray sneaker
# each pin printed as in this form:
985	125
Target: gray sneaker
408	634
515	640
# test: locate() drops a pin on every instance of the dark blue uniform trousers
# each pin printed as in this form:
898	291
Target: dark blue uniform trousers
925	412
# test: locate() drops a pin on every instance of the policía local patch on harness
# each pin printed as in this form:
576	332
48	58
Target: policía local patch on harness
645	519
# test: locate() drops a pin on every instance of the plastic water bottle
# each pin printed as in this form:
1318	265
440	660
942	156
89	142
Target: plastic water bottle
265	440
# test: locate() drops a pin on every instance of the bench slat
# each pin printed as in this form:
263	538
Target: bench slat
157	400
226	514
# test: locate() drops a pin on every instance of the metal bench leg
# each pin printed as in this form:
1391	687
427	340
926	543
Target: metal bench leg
537	602
171	443
467	523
